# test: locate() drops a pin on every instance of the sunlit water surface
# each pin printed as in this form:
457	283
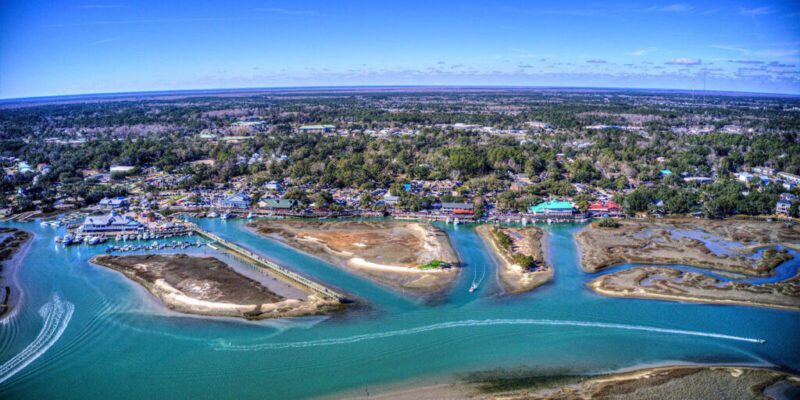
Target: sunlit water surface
84	331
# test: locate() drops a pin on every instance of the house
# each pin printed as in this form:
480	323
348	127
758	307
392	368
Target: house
553	208
389	199
790	197
604	209
458	208
277	204
317	128
238	200
24	168
744	177
111	223
792	178
782	207
272	185
114	204
665	172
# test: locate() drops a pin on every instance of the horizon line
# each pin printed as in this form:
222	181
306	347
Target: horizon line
151	93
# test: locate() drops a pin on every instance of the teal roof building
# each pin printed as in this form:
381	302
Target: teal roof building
552	207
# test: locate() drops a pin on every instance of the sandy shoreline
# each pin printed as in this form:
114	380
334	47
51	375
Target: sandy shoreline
533	243
207	286
14	247
662	382
385	251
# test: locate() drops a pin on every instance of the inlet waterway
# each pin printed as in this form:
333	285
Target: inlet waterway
86	332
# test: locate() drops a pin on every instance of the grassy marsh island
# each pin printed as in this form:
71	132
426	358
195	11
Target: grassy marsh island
731	248
412	256
521	252
671	284
725	245
208	286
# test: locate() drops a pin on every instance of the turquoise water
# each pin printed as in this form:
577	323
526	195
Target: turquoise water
97	335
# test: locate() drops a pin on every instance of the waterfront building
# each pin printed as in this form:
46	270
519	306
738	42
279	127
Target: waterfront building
604	209
111	223
458	208
238	200
277	204
553	208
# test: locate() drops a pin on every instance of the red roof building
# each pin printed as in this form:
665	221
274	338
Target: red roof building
604	209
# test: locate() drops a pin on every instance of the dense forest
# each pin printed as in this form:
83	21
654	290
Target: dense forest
616	141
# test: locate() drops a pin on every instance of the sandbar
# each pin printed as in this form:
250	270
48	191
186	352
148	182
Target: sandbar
393	253
667	382
208	286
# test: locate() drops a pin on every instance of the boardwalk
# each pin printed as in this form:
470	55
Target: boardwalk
282	272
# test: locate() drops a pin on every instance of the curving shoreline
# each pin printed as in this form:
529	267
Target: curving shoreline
13	247
533	243
207	286
675	285
656	382
726	245
729	247
386	251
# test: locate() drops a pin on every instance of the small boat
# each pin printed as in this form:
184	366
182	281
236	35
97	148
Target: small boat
473	288
44	223
58	239
68	239
212	215
225	215
250	216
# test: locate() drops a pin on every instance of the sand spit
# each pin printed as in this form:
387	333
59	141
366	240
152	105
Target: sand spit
726	245
672	284
208	286
667	383
389	252
529	241
12	240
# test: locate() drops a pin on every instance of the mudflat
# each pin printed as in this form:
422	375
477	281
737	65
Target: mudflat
667	383
208	286
672	284
395	253
741	246
508	243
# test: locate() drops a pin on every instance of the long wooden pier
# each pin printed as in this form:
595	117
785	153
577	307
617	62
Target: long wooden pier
282	272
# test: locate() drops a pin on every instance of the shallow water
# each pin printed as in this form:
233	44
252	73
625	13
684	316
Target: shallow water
119	343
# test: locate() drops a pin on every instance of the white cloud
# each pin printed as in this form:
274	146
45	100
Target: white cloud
684	61
672	8
754	12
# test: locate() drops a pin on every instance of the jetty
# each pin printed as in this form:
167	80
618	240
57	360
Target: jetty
261	262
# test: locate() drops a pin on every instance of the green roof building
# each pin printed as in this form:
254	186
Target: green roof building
553	208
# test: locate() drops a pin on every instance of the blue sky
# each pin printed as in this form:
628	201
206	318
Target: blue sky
97	46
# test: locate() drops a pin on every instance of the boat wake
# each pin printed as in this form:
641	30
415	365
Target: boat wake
475	281
477	323
56	314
